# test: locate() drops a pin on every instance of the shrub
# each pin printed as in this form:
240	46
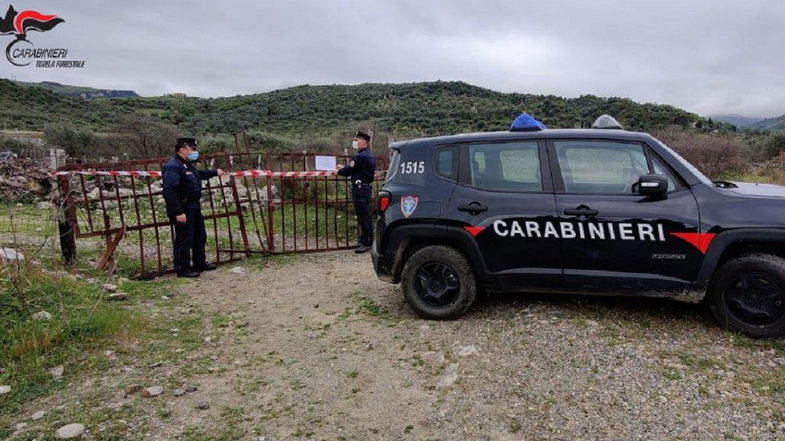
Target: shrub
714	154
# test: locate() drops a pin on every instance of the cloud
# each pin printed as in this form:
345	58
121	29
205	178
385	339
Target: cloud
708	56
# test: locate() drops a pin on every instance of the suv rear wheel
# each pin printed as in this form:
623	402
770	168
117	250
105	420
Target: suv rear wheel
747	294
438	282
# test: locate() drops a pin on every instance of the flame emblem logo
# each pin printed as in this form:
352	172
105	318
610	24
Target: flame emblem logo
20	23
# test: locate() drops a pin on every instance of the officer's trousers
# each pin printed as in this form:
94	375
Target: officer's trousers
361	196
189	241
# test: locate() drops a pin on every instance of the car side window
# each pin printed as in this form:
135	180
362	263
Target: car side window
509	166
600	167
662	170
446	164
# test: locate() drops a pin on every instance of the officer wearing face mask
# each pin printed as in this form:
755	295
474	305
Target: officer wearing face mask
361	169
182	189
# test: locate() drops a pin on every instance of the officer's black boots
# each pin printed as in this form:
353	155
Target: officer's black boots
206	267
362	249
188	274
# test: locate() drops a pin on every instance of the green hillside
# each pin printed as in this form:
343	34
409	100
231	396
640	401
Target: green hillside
79	91
777	123
404	110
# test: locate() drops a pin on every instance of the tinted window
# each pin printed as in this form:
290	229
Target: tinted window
512	166
445	162
395	159
600	166
660	169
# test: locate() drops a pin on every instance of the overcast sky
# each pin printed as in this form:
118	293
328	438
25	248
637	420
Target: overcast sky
707	56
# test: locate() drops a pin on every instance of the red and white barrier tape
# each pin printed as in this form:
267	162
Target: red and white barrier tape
157	174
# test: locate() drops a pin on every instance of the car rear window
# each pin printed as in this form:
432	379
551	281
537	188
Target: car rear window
507	166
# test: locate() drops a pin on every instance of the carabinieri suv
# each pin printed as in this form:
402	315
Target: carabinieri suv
592	211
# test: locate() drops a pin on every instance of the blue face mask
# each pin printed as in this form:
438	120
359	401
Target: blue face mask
193	156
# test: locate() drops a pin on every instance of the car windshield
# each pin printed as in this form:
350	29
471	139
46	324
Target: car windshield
687	164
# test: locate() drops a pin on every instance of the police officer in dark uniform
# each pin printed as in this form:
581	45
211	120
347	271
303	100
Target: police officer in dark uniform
361	170
182	189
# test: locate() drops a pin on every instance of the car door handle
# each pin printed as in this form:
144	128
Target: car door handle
473	208
581	211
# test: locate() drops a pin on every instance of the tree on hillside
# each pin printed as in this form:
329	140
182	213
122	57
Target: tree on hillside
75	142
145	138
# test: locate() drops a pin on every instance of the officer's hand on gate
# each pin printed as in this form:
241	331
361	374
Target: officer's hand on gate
181	218
220	172
338	167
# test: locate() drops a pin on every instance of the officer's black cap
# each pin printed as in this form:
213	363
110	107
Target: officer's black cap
362	135
185	141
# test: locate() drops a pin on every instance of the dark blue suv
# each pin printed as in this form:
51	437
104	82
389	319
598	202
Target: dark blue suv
594	211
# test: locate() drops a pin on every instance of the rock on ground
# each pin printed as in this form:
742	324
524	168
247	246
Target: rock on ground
10	255
57	372
42	315
70	431
449	378
118	296
152	391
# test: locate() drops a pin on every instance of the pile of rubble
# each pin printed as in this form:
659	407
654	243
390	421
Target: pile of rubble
24	178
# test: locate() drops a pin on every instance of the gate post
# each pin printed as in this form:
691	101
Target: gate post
268	161
65	221
240	216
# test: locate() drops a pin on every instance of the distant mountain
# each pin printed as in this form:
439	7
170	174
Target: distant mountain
739	121
80	92
777	123
306	112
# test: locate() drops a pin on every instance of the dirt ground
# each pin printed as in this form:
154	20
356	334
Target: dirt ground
317	348
321	349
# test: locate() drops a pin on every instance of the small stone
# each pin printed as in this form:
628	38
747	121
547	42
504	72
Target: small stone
37	415
132	389
110	287
152	391
57	372
433	357
20	426
592	323
662	399
164	297
42	316
70	431
118	296
449	378
10	255
44	205
468	350
179	392
369	347
203	405
191	388
238	270
5	389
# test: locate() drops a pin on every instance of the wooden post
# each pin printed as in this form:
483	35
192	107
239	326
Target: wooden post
65	222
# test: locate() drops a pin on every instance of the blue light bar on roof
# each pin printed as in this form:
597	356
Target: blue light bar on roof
526	123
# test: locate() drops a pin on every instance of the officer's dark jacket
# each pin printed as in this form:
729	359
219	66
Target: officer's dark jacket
183	185
363	167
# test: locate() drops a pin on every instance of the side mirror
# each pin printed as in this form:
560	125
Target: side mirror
652	185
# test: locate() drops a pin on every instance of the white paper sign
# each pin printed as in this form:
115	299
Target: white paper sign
325	163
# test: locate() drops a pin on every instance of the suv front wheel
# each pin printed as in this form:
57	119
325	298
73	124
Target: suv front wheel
747	294
438	282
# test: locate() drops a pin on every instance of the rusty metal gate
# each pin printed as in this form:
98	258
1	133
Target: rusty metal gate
265	204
